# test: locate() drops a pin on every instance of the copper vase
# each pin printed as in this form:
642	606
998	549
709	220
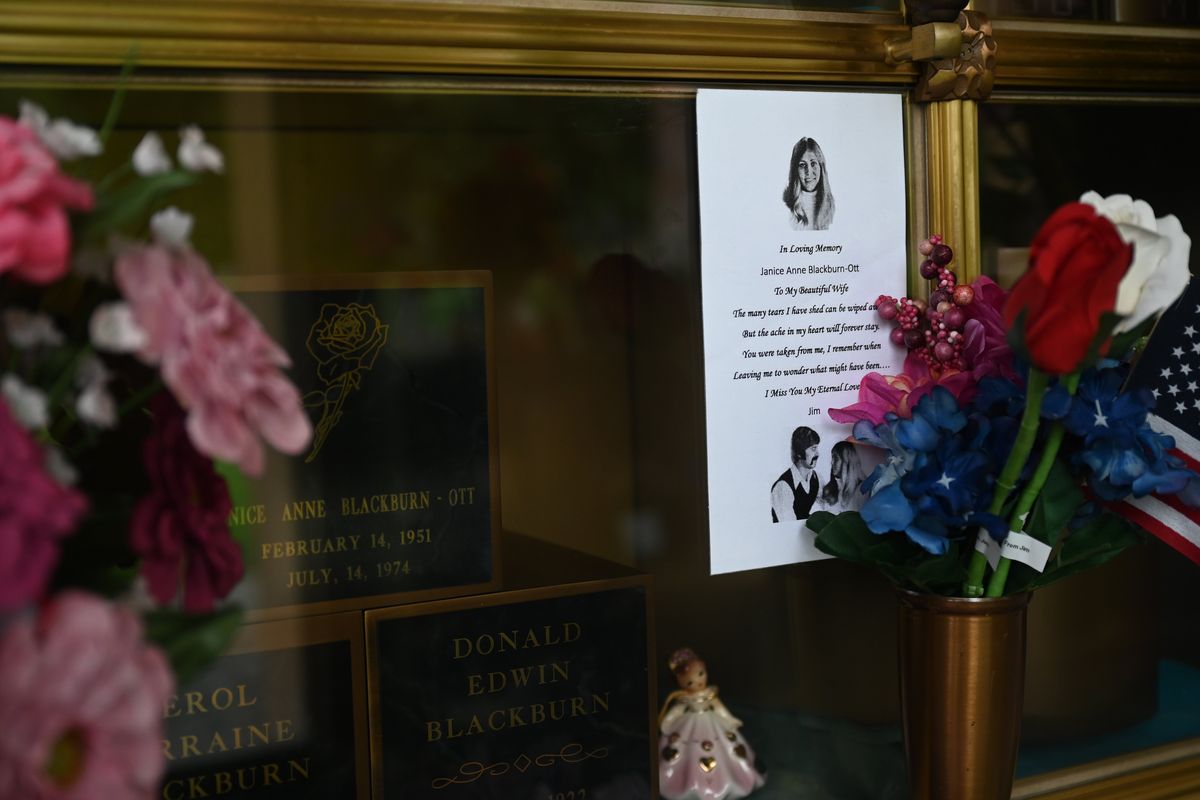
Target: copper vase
962	679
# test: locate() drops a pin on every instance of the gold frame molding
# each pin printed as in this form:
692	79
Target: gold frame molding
586	38
1158	773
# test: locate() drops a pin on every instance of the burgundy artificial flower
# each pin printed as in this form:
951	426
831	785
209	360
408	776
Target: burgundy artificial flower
181	529
36	511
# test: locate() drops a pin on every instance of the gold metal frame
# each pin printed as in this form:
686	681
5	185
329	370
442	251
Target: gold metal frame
1158	773
587	38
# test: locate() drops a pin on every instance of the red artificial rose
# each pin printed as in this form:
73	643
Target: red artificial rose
1076	262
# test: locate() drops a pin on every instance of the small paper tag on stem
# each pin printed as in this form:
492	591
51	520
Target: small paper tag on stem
985	544
1015	547
1026	549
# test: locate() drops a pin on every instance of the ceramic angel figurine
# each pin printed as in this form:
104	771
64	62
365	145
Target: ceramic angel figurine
702	755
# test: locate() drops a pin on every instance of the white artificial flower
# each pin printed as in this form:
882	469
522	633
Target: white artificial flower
113	329
150	157
91	370
59	467
28	405
171	227
96	406
197	155
1159	272
63	138
26	329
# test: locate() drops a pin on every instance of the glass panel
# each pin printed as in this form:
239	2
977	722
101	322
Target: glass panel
1033	158
580	198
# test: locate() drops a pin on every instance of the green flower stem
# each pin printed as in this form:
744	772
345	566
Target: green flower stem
65	378
139	398
1035	387
1032	489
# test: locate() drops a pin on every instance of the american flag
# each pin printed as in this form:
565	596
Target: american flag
1170	369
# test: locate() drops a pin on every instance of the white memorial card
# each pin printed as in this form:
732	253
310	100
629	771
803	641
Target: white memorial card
802	227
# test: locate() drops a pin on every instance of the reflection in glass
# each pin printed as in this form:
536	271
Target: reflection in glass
1034	158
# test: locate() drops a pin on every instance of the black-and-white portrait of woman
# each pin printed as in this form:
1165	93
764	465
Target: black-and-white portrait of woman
808	195
843	490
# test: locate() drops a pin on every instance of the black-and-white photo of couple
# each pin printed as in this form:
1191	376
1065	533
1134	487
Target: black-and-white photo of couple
800	491
808	195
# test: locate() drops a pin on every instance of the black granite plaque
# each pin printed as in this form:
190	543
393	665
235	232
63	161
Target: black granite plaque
522	698
395	496
282	722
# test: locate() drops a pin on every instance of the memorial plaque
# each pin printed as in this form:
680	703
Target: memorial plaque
396	499
281	715
541	694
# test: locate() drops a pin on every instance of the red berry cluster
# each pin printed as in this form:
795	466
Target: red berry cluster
932	329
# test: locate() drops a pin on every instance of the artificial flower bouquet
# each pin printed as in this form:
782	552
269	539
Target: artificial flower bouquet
1011	439
127	369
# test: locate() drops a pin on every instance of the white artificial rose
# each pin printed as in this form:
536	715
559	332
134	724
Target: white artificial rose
1159	272
150	157
63	138
171	227
112	328
197	155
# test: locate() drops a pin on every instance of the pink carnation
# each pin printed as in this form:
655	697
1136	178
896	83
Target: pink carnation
181	529
986	350
215	357
35	234
81	696
35	513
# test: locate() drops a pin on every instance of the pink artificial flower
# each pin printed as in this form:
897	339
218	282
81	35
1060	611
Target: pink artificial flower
35	513
879	395
986	350
81	696
181	529
35	234
214	356
986	337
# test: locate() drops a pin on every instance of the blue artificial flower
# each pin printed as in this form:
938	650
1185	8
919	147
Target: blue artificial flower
999	396
930	534
1119	451
1101	411
937	476
1056	403
887	510
936	413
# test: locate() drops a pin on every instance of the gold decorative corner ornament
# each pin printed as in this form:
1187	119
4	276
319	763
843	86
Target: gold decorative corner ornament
970	73
933	40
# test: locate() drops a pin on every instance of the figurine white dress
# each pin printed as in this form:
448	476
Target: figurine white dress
702	755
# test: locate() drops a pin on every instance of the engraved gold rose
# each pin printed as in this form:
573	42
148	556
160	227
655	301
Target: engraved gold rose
345	341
